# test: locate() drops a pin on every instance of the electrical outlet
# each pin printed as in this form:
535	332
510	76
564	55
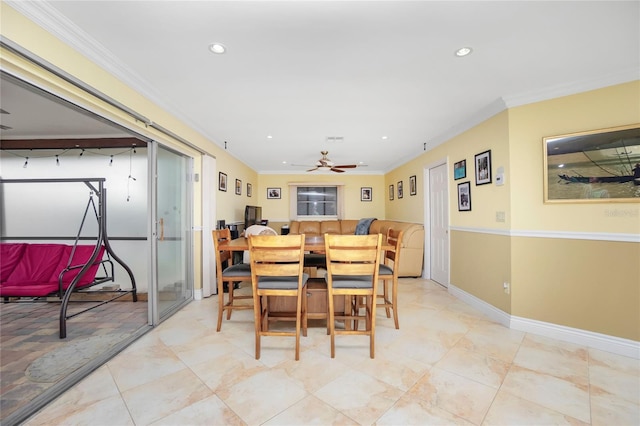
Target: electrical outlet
507	287
500	217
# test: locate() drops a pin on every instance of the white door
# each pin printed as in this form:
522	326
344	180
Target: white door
439	224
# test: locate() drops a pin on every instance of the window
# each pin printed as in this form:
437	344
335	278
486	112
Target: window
316	201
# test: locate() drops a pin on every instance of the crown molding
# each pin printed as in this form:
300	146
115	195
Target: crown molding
557	91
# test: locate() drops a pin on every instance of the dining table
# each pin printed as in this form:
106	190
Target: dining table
312	243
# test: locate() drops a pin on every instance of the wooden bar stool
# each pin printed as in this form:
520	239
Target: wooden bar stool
352	271
388	271
277	265
230	275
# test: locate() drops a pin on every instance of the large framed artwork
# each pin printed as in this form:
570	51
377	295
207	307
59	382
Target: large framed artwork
596	166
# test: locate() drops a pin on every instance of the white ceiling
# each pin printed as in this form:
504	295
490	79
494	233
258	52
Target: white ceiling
303	71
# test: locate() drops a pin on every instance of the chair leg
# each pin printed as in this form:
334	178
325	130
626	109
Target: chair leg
372	325
220	304
395	303
230	302
332	326
257	314
386	297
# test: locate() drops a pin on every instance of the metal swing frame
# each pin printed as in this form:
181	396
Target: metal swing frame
97	187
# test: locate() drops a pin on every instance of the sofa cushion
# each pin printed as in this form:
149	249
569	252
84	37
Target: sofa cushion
28	289
10	254
37	264
311	227
81	256
330	227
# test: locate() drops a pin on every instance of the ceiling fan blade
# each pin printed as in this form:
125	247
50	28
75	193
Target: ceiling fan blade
310	170
347	166
333	169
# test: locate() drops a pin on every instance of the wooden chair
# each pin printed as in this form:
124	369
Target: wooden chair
352	271
388	271
229	274
277	264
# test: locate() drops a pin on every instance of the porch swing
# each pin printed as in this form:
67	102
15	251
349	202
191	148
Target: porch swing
42	271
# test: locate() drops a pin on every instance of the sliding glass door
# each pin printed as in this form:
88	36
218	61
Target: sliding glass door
171	209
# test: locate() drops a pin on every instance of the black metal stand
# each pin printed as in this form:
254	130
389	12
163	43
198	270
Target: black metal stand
101	193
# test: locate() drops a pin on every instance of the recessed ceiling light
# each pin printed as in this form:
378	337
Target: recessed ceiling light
269	137
384	138
217	48
463	51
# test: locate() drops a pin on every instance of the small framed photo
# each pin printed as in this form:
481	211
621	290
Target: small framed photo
400	194
460	170
238	187
464	196
249	190
222	181
391	192
366	194
412	185
483	168
273	193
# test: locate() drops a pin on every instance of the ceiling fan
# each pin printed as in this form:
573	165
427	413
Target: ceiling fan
325	164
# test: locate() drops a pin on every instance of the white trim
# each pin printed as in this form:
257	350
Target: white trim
596	236
616	345
489	310
197	294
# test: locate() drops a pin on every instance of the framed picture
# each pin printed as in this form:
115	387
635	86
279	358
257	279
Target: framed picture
238	187
391	192
464	196
483	168
222	181
597	166
460	170
273	193
412	185
400	194
249	190
366	194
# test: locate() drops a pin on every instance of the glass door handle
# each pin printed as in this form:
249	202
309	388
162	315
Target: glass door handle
161	223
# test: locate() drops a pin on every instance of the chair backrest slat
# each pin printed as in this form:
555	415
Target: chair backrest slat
277	255
353	254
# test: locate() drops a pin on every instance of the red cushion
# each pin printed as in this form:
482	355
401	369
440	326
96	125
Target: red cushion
10	254
37	264
81	256
27	289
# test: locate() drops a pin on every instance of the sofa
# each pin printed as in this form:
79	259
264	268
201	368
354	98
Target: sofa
412	251
37	270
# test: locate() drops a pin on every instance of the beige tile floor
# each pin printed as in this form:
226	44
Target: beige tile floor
448	364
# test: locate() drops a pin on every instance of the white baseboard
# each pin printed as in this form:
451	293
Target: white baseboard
197	294
617	345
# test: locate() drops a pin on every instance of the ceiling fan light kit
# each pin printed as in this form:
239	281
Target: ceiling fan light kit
326	164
